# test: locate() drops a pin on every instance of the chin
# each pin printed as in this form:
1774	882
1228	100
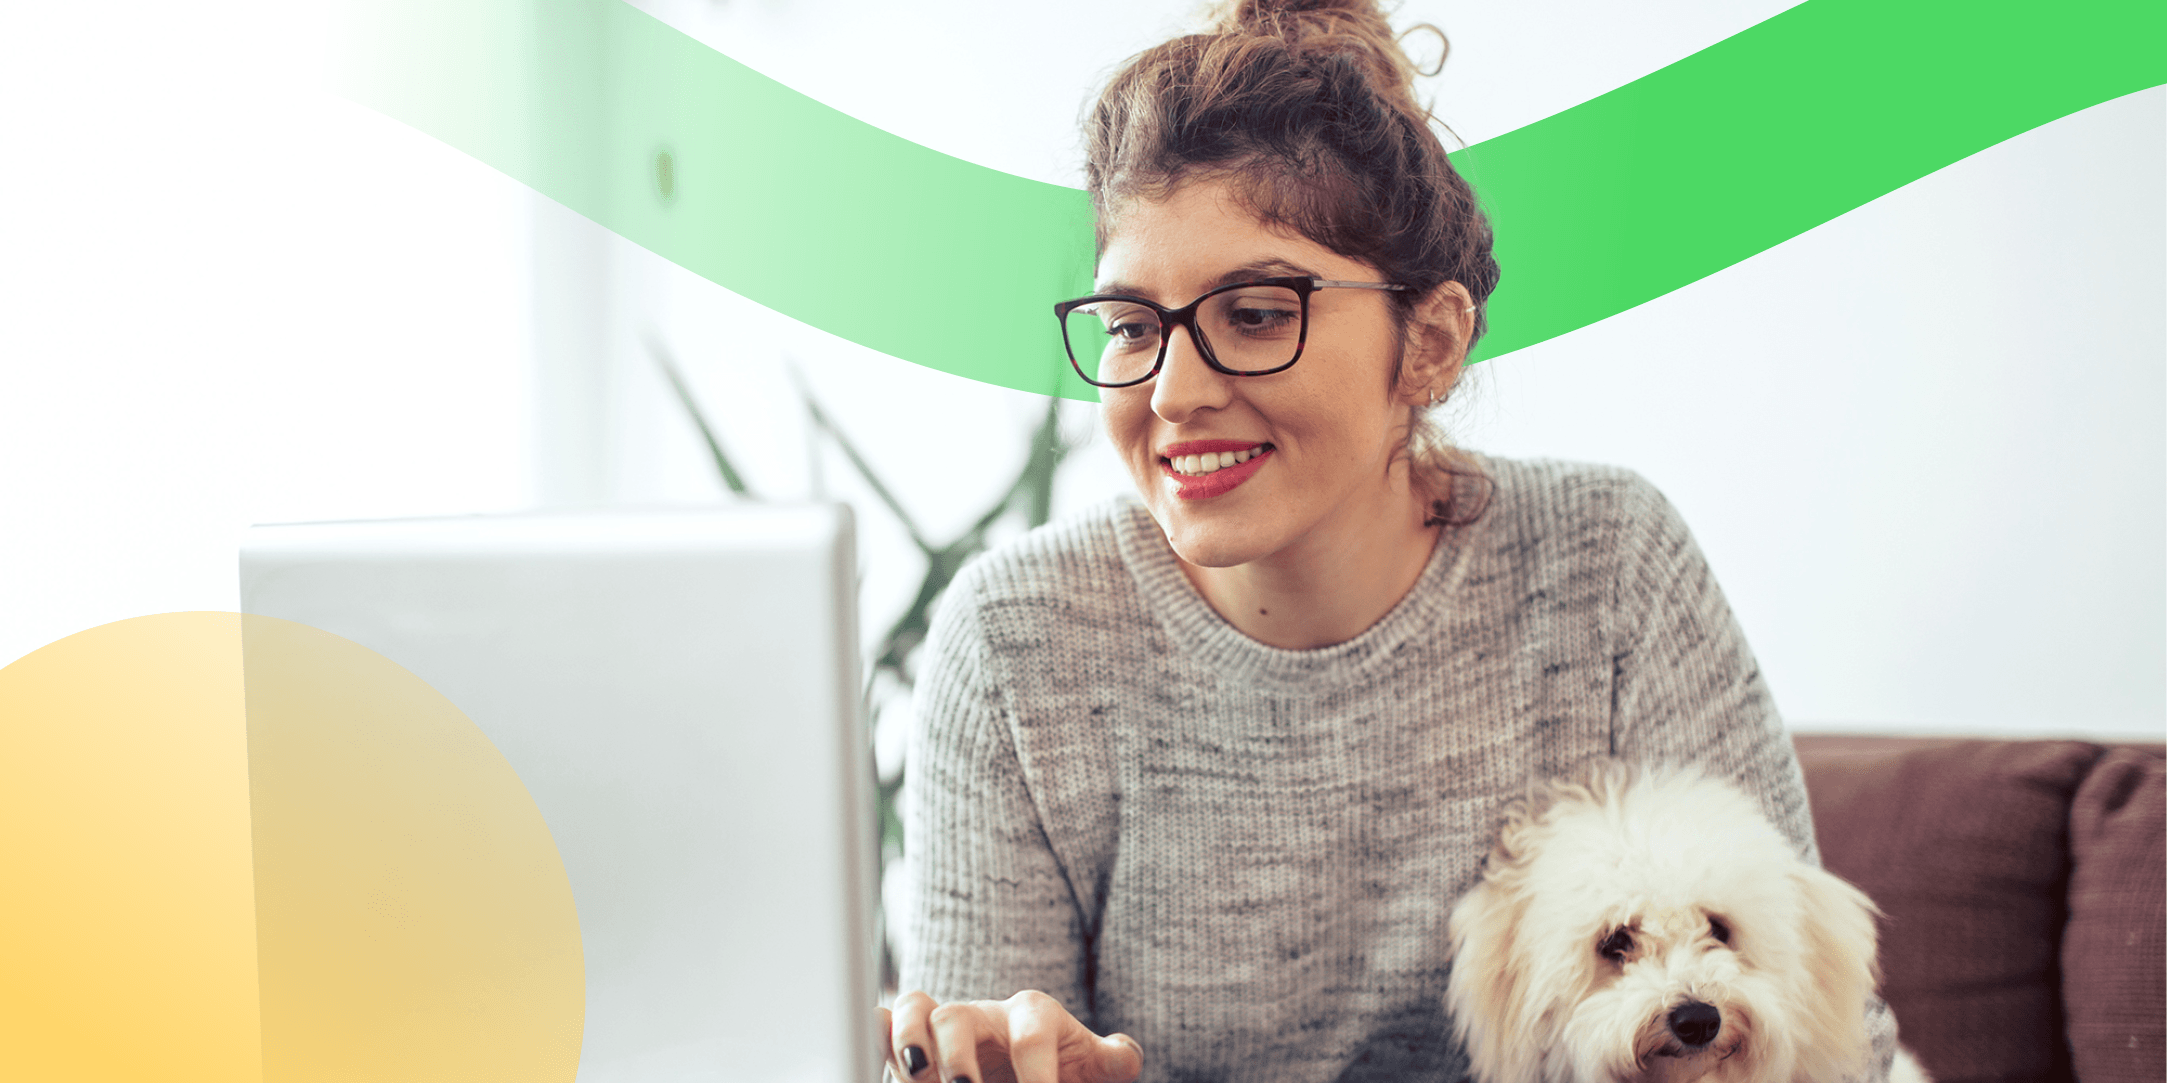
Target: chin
1207	537
1210	549
1652	926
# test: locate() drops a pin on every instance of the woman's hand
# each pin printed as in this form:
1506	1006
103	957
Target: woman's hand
1028	1038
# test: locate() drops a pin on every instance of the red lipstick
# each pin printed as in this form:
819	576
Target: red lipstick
1204	447
1218	482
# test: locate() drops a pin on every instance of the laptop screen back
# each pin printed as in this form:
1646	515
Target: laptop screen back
679	692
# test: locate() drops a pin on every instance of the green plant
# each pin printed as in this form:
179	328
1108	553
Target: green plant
1030	496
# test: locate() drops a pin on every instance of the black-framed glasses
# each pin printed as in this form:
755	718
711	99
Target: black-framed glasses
1253	328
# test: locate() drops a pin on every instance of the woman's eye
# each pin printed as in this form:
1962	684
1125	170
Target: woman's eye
1718	929
1616	945
1262	319
1133	332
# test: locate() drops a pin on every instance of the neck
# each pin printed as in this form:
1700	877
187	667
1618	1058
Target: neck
1331	586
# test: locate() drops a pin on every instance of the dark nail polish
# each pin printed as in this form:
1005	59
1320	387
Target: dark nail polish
961	1079
913	1059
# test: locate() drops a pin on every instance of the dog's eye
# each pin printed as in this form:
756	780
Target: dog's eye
1616	945
1718	929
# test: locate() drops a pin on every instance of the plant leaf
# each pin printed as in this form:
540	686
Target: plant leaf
865	469
730	476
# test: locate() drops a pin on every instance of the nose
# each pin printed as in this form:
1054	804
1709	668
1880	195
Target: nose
1695	1023
1186	384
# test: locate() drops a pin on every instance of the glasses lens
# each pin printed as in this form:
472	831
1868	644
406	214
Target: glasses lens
1253	328
1113	342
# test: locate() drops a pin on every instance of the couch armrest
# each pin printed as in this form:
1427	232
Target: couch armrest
2114	949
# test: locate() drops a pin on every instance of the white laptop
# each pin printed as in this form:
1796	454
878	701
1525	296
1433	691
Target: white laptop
679	691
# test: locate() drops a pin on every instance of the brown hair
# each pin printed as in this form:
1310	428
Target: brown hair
1307	109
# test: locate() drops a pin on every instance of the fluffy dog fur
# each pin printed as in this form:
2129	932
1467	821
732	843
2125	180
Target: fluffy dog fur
1625	914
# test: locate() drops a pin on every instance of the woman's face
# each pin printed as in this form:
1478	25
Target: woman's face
1323	434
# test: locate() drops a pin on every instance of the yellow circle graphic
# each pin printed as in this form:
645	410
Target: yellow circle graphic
240	848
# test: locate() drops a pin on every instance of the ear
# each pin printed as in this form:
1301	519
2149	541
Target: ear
1836	941
1486	994
1438	332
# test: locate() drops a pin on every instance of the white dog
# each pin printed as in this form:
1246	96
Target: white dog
1652	926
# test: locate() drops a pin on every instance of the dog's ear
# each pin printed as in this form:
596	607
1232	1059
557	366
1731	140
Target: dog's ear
1836	937
1486	994
1512	838
1517	825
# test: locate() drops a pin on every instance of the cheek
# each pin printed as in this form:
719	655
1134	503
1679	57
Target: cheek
1354	414
1127	417
1343	431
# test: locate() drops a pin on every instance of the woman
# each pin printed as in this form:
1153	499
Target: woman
1197	779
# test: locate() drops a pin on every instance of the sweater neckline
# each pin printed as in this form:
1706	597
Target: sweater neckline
1197	630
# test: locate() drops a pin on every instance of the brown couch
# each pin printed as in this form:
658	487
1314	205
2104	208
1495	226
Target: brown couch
2023	883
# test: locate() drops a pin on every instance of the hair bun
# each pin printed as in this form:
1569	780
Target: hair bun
1355	29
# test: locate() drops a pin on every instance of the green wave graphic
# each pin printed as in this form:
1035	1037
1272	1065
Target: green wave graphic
1609	204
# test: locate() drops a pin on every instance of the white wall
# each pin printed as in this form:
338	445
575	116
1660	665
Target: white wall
226	297
1922	444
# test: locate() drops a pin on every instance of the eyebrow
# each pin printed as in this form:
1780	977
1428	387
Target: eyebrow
1263	268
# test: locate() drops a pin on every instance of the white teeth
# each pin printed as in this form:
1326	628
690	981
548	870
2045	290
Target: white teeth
1213	461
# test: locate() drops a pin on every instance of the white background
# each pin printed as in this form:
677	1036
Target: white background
1923	445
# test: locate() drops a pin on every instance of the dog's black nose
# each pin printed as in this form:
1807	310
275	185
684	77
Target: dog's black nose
1695	1023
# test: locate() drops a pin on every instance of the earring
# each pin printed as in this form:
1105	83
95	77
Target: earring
1433	398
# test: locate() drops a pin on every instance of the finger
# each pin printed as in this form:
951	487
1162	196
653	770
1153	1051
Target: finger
1120	1060
910	1044
1035	1022
885	1031
957	1030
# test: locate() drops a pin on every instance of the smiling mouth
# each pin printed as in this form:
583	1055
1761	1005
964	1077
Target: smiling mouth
1211	462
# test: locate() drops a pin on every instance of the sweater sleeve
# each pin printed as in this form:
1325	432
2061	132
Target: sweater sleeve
1688	691
989	912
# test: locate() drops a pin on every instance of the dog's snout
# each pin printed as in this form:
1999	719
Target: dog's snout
1695	1023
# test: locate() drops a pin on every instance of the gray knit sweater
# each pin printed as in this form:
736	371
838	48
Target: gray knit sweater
1243	856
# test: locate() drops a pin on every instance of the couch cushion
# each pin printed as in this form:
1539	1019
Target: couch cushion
1964	844
2114	951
